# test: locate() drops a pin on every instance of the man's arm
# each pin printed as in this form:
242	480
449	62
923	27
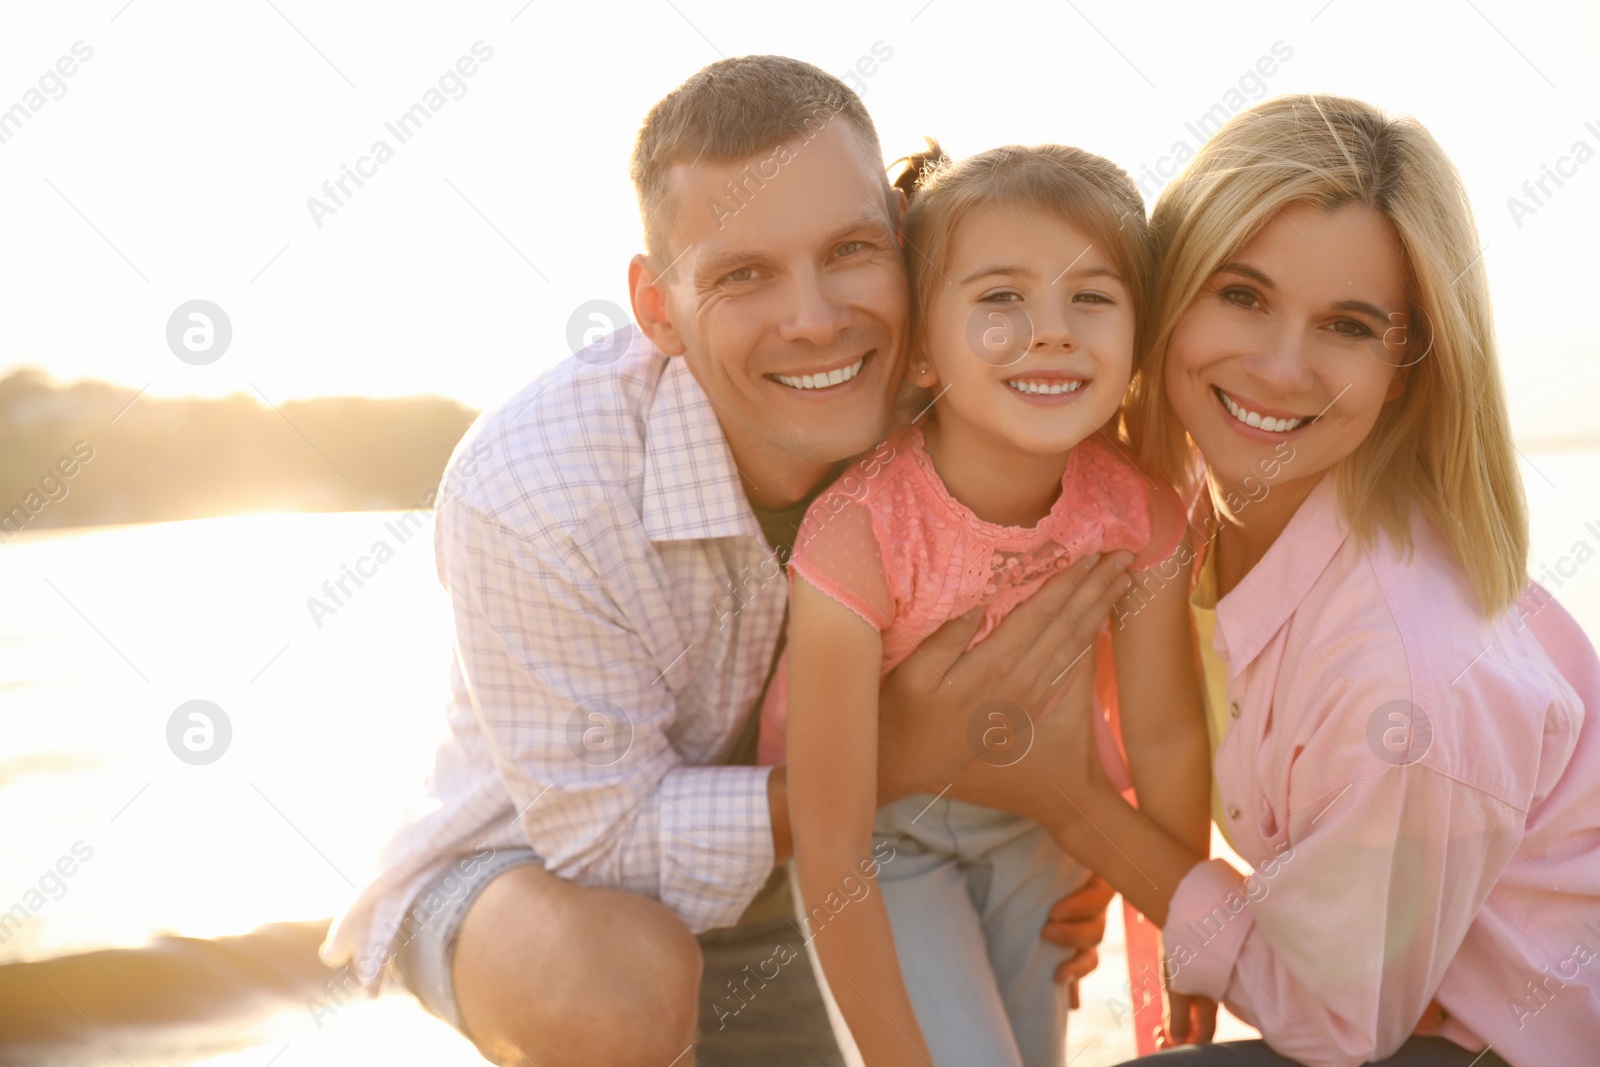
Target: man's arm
567	698
778	805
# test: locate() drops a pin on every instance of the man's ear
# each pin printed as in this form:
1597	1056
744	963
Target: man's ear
648	295
899	205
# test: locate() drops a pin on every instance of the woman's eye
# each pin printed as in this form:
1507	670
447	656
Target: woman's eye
1351	328
1239	297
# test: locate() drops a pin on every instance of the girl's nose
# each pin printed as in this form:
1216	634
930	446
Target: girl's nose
1052	329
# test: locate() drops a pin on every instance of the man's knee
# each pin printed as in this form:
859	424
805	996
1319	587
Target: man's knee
657	959
568	974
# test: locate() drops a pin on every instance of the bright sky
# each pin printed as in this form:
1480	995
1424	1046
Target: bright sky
175	162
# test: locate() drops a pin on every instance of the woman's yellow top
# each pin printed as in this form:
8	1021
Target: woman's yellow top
1203	605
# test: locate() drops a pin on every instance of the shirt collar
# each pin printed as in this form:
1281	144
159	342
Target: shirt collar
1260	605
691	486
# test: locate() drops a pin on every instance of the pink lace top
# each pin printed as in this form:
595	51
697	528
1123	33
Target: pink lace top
889	542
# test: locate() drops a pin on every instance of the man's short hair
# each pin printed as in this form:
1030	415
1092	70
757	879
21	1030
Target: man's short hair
732	110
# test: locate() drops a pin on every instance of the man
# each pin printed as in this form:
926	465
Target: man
593	877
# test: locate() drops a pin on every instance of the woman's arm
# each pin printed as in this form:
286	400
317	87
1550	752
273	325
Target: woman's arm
1334	947
835	661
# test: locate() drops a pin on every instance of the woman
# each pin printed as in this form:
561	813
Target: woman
1398	716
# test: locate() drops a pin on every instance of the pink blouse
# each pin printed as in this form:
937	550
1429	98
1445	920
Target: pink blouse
1419	793
889	542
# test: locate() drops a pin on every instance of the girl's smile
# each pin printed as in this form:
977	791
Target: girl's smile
1032	320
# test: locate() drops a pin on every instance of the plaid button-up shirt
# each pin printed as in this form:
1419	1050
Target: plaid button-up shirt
616	611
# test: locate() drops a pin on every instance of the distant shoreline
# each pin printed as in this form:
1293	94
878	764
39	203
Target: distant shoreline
91	454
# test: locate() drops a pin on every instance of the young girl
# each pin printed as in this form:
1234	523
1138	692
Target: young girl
1029	268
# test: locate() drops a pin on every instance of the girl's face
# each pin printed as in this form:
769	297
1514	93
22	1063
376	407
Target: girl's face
1283	361
1028	338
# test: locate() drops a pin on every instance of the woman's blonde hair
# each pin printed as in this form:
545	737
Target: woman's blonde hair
1092	193
1445	444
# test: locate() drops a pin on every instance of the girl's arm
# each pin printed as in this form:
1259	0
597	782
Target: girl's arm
835	660
1158	698
1164	732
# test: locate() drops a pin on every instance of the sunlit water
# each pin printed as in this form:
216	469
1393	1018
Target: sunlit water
104	632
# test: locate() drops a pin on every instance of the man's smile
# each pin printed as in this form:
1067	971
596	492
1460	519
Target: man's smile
824	378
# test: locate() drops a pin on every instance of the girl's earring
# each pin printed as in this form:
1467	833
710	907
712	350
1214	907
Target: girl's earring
922	370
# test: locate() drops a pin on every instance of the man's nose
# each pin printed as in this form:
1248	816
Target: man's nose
813	314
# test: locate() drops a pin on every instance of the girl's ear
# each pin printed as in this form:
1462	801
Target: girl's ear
920	370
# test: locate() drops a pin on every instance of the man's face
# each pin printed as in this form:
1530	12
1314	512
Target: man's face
789	298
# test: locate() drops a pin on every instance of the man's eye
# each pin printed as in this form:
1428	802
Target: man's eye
743	274
850	248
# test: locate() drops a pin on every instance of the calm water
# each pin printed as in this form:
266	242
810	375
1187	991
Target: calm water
105	632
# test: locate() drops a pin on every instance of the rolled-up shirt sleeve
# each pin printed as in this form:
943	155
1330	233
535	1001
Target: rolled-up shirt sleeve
572	706
1334	947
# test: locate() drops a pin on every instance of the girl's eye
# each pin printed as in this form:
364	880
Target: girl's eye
1239	296
1002	296
1093	298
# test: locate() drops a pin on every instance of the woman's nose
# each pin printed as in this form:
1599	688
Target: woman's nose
1279	363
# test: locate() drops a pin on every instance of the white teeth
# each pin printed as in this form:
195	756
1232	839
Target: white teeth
822	380
1053	389
1251	418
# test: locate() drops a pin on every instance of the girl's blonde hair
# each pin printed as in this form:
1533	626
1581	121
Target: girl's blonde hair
1445	444
1092	193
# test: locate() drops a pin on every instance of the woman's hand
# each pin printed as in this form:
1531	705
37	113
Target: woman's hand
1188	1020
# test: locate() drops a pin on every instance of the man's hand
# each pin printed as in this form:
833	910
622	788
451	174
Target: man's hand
1078	922
1060	765
928	701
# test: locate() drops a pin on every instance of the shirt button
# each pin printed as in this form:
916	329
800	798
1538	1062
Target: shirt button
1233	811
1233	709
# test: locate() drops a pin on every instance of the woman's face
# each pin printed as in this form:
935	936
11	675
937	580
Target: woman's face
1281	363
